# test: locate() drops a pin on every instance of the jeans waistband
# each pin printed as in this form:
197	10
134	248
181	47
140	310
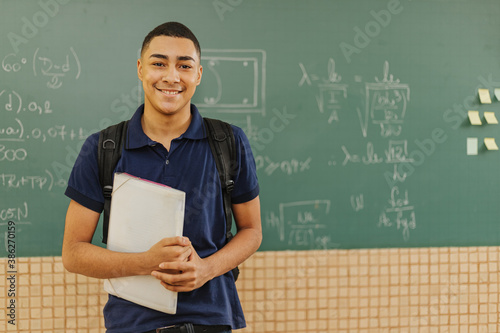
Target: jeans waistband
190	328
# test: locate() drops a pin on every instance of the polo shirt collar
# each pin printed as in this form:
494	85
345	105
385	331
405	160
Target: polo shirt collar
137	138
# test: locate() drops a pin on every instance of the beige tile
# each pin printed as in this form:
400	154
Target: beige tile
379	290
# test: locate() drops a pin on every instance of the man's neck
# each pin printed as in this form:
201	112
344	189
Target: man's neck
164	128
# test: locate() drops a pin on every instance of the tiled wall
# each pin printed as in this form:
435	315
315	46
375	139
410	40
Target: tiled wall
380	290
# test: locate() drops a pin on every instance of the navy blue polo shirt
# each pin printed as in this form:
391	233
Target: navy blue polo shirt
188	166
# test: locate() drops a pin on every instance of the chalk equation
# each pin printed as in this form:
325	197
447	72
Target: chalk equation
288	167
54	68
386	100
358	202
46	181
224	70
396	152
302	223
386	105
332	94
17	131
11	155
399	213
17	215
12	102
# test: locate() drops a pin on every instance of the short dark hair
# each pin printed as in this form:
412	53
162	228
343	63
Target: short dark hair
171	29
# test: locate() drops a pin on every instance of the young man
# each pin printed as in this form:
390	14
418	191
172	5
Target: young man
166	143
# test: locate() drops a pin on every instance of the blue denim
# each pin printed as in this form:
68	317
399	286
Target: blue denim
154	331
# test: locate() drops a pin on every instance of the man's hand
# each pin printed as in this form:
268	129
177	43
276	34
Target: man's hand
183	276
194	273
173	249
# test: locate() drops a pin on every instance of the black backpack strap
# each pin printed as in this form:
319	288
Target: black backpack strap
109	151
221	139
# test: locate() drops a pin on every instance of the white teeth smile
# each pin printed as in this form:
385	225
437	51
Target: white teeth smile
170	92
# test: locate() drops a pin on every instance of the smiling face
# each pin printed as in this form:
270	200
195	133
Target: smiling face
170	71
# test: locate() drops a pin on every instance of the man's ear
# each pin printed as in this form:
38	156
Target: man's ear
200	73
139	69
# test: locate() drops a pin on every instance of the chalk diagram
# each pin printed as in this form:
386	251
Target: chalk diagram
233	81
303	223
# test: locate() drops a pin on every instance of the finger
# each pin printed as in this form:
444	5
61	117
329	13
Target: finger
178	240
173	280
169	271
175	265
178	288
186	254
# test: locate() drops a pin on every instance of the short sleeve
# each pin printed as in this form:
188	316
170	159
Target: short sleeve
83	184
246	185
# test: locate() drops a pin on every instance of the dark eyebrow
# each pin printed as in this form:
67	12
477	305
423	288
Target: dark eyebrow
163	56
186	58
157	55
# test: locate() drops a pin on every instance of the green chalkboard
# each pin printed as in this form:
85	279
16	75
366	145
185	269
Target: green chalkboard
357	111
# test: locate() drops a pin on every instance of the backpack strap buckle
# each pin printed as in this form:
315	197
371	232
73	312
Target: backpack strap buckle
229	185
107	191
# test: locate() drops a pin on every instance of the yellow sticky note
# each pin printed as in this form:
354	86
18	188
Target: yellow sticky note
490	143
484	96
490	117
474	118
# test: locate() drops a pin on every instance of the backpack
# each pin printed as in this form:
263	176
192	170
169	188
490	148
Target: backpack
222	144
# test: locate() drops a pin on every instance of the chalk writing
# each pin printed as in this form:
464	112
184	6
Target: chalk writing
288	167
46	66
325	243
11	155
331	92
369	158
399	213
12	133
357	202
18	132
396	152
40	182
17	214
397	176
56	71
11	101
274	221
11	64
302	220
386	104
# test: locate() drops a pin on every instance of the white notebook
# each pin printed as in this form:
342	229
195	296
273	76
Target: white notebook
141	214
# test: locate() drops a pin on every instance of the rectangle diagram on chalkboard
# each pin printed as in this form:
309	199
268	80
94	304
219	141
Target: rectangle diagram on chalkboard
304	223
233	81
